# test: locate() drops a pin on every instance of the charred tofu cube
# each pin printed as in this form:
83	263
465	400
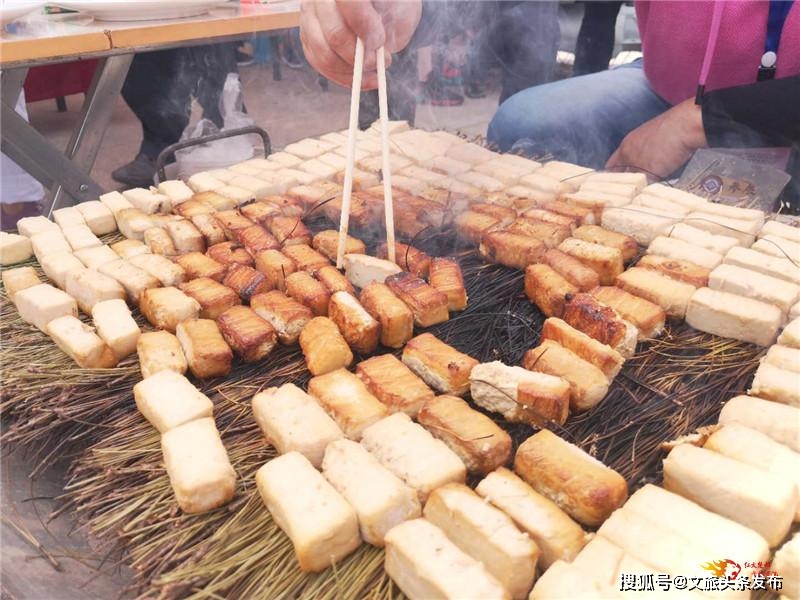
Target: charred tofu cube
446	276
394	384
324	346
256	239
196	264
408	258
206	351
327	242
394	315
250	336
186	237
305	257
160	351
428	304
165	307
334	280
308	291
232	221
289	231
207	225
547	289
246	281
439	365
511	249
504	214
276	267
359	328
229	253
285	314
213	297
288	206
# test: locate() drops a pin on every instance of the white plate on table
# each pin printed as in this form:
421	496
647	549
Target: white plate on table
140	10
11	10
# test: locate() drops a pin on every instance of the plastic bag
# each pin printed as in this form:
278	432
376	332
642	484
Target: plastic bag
220	153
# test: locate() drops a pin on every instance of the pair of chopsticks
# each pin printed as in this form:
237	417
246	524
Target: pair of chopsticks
383	105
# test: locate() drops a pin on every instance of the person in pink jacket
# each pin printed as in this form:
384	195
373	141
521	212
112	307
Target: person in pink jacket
648	115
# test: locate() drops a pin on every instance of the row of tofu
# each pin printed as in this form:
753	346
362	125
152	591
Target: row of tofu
777	376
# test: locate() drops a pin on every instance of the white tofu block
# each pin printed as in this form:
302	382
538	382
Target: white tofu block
167	399
752	284
518	162
336	161
285	159
794	312
748	495
595	200
176	191
704	239
14	248
148	201
779	421
413	454
289	178
644	225
480	181
783	357
734	212
199	470
425	564
614	188
567	171
49	243
116	326
223	175
319	169
334	137
776	384
16	280
675	195
98	217
777	246
58	264
787	564
774	266
40	304
470	153
30	226
392	127
648	201
374	164
781	230
238	194
256	186
292	421
96	257
678	249
347	400
160	267
361	270
322	526
115	202
409	184
68	216
486	534
81	343
309	148
567	581
744	231
90	287
422	174
132	223
448	166
132	278
203	182
263	164
245	169
80	237
381	500
734	316
159	351
637	180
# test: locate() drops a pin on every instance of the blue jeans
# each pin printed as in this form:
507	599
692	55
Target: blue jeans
580	120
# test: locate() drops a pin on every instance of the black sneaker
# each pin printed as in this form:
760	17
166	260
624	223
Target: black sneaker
137	173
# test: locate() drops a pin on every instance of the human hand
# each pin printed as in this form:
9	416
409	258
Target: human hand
663	144
329	28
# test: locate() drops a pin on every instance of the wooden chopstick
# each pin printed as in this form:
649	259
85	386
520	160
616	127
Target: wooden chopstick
388	206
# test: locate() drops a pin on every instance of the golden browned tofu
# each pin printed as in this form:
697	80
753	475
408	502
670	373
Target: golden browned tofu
428	305
276	267
208	226
648	317
306	290
504	214
324	347
289	231
477	440
334	280
584	216
549	233
604	260
213	297
348	401
186	237
160	351
394	315
260	211
160	267
250	336
206	351
670	294
216	201
311	196
132	278
604	357
246	281
229	253
305	257
675	268
547	289
287	205
21	278
394	384
586	313
165	307
439	365
364	212
597	235
446	276
408	258
409	220
159	242
358	327
546	216
326	242
285	314
129	248
511	250
197	264
192	208
472	225
256	239
542	405
232	221
571	269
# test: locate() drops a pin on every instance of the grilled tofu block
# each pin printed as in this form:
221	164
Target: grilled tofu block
229	253
206	351
256	239
216	201
246	281
160	351
395	317
203	182
587	314
159	242
597	235
394	384
548	233
478	441
78	236
68	217
362	270
148	201
547	289
285	314
94	257
291	205
165	307
446	276
57	265
186	236
674	268
196	264
128	248
160	267
604	357
305	289
116	327
604	260
324	347
546	216
133	279
213	297
358	327
671	295
471	226
30	226
132	223
290	230
81	343
177	191
408	258
365	212
347	400
251	337
90	287
326	242
441	366
305	257
588	385
260	211
511	250
275	266
232	221
193	208
209	228
43	244
648	317
504	214
333	280
572	269
40	304
428	305
21	278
